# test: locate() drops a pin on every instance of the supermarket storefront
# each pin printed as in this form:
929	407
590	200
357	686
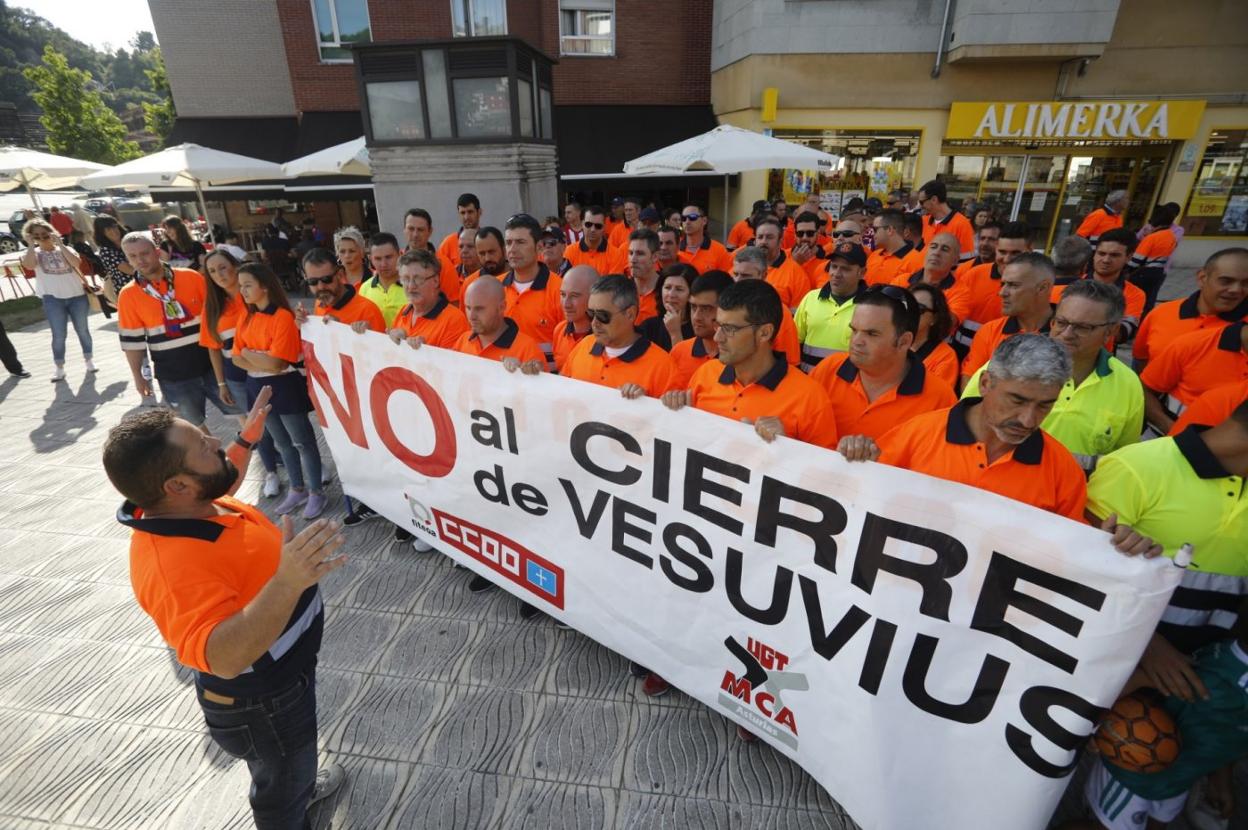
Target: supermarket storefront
1050	163
1047	163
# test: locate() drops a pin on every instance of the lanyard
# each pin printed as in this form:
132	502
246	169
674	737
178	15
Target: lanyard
175	315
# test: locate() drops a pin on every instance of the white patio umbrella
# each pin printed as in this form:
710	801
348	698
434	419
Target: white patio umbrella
186	165
20	167
727	150
347	159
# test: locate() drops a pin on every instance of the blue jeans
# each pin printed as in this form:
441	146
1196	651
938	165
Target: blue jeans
189	398
268	452
60	313
295	440
276	736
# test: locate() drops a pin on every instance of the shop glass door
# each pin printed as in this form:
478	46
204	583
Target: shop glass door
1041	192
1088	181
1000	186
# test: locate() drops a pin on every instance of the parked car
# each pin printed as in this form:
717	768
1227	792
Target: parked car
9	243
16	221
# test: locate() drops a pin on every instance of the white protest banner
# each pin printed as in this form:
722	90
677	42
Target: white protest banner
932	654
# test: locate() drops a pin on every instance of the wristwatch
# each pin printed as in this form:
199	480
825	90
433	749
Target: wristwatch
243	442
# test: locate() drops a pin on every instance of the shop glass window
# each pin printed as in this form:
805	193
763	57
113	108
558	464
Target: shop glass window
874	163
482	107
587	27
478	18
338	24
395	111
1218	204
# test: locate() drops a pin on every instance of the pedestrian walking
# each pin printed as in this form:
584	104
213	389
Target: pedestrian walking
62	289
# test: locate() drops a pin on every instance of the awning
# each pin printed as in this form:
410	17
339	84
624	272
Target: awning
595	141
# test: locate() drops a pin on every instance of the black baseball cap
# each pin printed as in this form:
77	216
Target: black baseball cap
552	231
650	215
851	253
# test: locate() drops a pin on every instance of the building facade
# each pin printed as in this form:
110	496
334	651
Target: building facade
276	79
1036	108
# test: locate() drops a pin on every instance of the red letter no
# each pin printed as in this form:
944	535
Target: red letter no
442	458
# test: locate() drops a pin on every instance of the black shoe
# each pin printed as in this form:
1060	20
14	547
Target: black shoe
637	669
479	584
528	612
401	535
20	373
362	513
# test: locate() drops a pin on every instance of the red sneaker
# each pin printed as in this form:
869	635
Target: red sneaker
746	735
655	686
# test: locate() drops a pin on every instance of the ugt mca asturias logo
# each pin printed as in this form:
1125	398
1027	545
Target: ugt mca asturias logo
755	695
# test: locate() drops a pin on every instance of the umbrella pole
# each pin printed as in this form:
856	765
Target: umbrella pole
204	211
727	224
33	197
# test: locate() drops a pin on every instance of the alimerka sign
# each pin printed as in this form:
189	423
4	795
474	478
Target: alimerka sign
934	655
1084	120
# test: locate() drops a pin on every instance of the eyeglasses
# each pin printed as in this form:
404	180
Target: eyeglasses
806	234
1082	329
690	217
844	234
730	330
600	315
550	243
597	225
315	281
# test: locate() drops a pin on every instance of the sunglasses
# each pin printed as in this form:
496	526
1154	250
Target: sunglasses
551	243
805	234
691	217
895	293
844	234
600	315
597	225
315	281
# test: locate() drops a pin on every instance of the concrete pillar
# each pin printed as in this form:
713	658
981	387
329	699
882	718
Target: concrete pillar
507	178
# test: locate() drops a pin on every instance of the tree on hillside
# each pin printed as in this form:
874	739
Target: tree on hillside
158	118
78	122
143	42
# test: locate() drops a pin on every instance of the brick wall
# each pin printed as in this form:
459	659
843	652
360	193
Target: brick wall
662	57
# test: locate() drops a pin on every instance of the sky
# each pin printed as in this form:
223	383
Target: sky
94	22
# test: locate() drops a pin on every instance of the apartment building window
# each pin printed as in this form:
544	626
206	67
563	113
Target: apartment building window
478	18
587	27
340	23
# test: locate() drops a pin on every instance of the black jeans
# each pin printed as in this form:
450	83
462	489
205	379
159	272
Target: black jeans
1149	281
8	354
276	736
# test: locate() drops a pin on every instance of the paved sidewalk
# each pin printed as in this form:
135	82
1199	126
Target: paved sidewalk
447	709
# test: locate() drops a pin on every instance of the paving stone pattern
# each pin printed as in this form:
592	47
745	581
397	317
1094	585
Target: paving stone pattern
446	709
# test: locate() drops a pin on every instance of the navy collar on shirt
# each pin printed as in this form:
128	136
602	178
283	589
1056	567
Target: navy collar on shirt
538	283
825	293
640	346
348	295
699	348
1232	338
271	310
943	285
1012	326
705	245
201	529
958	431
912	381
1197	454
924	351
602	246
771	380
504	341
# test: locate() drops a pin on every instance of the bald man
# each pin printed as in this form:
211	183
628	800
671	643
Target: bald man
574	295
494	335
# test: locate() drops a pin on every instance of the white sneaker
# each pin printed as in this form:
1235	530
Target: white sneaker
59	374
272	485
91	367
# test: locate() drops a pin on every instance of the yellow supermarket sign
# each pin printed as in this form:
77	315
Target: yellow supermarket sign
1105	120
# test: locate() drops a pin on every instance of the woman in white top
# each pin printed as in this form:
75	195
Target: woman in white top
61	287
